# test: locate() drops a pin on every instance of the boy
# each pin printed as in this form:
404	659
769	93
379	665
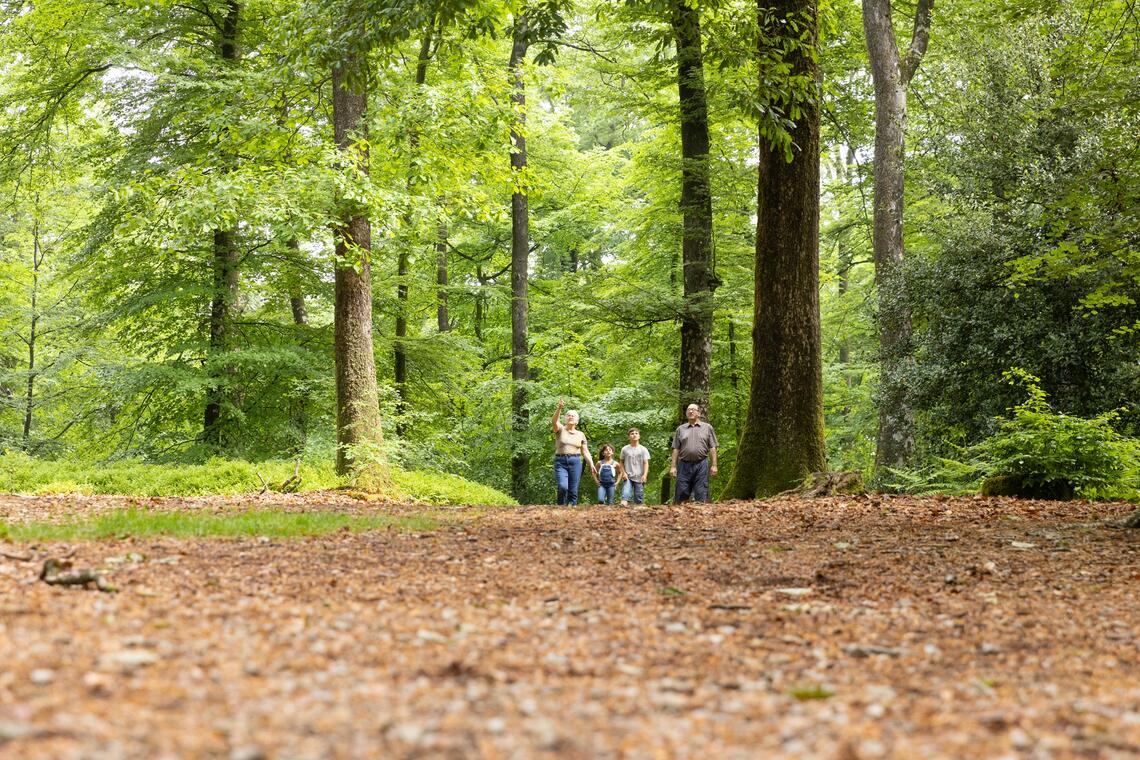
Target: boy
635	464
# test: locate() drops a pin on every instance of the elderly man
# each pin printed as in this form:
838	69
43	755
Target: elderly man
694	445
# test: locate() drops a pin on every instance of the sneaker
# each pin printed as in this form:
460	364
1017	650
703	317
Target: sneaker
624	503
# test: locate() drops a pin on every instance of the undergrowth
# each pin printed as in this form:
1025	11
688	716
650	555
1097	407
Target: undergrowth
1037	446
20	473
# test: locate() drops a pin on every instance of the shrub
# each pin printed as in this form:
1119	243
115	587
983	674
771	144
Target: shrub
1039	453
1054	454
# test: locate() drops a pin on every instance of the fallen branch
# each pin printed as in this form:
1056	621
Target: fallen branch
17	557
58	572
291	484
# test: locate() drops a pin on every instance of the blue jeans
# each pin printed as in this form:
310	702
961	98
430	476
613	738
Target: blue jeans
567	473
606	493
632	490
692	480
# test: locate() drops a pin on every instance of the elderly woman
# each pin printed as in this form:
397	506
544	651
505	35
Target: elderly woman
569	450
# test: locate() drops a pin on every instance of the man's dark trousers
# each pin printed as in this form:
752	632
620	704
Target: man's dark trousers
692	480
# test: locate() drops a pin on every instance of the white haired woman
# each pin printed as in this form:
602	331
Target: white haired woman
570	450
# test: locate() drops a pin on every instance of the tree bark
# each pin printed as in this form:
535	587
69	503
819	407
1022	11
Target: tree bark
699	277
29	394
357	401
479	312
215	425
782	441
520	262
442	318
225	287
891	73
300	313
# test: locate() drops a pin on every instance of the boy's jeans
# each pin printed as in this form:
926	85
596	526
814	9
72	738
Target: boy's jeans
633	491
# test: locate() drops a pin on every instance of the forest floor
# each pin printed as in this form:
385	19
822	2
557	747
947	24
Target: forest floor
831	628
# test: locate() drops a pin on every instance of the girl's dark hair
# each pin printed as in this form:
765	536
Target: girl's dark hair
602	451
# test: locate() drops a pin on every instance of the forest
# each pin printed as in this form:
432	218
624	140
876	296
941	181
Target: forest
390	235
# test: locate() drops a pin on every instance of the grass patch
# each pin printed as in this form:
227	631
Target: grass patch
141	523
440	488
20	473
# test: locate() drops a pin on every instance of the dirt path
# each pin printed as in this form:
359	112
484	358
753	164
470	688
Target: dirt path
835	628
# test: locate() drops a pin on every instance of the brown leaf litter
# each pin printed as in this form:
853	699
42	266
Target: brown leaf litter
836	628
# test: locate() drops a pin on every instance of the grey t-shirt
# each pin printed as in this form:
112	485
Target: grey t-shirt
634	459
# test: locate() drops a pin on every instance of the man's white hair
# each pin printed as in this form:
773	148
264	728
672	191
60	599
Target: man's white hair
573	412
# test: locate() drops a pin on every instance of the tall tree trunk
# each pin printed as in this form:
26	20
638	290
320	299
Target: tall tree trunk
734	378
30	397
403	263
215	430
357	401
442	318
892	73
300	319
225	287
699	276
520	261
782	440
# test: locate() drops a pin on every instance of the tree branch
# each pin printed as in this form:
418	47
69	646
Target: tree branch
918	40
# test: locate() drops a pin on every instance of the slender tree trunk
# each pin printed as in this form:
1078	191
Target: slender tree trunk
442	318
699	276
357	401
300	319
403	264
215	427
30	397
297	305
225	266
892	73
782	440
520	262
734	378
480	307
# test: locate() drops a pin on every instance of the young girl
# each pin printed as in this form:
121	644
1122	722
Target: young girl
609	472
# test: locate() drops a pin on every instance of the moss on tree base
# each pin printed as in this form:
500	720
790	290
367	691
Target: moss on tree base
842	483
1015	485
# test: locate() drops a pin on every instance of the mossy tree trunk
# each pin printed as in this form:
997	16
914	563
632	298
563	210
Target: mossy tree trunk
357	401
782	441
891	73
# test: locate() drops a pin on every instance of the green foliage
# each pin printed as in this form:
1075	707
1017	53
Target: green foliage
1037	451
1040	446
140	523
20	473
